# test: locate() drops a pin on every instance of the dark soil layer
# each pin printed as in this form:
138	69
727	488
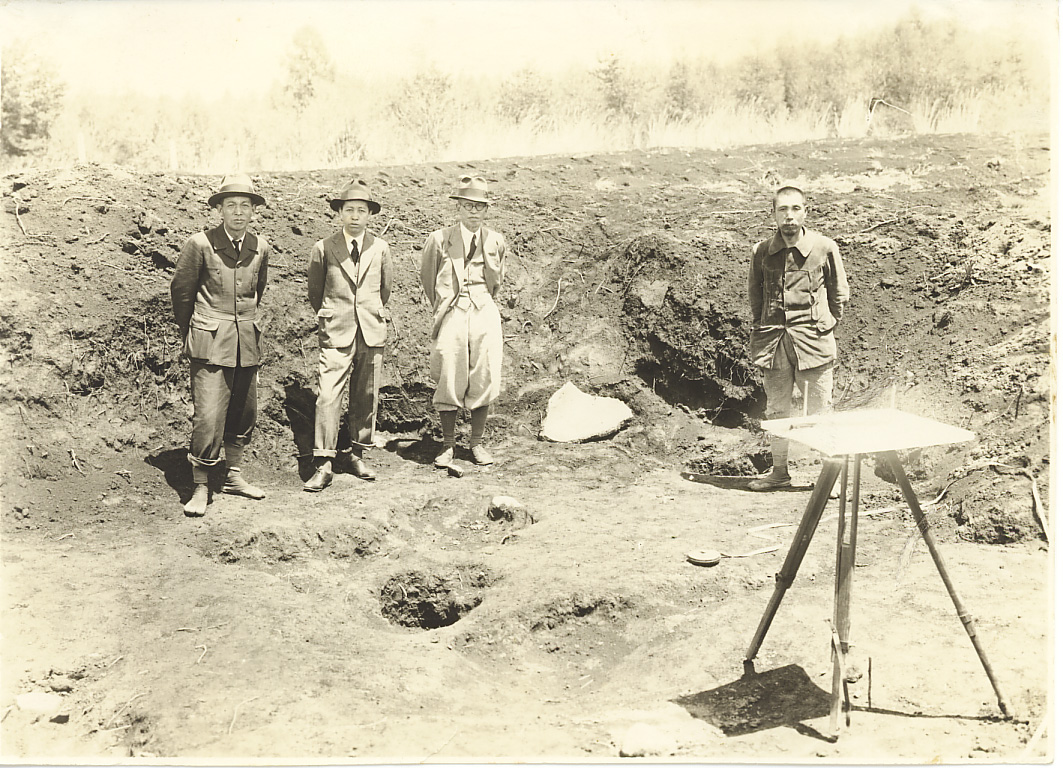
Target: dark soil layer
626	276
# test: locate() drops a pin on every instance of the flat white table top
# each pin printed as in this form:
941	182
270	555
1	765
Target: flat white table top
866	431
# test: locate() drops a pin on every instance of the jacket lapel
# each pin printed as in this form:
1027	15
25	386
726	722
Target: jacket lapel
456	252
339	253
363	262
248	246
221	243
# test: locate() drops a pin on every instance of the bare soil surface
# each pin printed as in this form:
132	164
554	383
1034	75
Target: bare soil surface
396	620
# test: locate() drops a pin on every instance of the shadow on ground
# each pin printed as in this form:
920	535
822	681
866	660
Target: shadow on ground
785	696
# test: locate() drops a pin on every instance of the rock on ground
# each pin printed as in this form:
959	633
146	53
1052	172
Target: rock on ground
573	416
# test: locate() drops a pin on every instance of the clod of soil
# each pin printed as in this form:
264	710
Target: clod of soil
432	600
994	509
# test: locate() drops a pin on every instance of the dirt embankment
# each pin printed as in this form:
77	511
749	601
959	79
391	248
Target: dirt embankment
627	276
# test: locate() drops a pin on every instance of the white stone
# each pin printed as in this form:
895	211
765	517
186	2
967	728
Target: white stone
573	416
39	702
645	740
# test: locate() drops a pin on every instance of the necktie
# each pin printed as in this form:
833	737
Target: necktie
354	250
472	251
236	245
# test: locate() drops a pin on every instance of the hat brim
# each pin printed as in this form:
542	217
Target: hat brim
471	198
337	203
217	197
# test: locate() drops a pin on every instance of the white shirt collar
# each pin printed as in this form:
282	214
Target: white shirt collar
467	236
233	237
360	239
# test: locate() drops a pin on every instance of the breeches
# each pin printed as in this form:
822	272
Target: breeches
357	366
466	358
225	404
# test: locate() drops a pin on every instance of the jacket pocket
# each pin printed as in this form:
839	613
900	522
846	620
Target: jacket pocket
797	289
201	334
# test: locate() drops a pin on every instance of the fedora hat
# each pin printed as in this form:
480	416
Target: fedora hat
472	188
355	190
236	184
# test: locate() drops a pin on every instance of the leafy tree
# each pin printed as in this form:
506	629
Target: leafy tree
31	97
308	64
425	107
524	97
617	88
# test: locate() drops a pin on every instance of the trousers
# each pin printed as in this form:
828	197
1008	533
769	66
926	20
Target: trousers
357	367
225	406
779	381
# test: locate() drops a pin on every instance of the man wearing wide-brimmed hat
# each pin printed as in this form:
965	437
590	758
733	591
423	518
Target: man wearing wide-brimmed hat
348	283
216	289
462	269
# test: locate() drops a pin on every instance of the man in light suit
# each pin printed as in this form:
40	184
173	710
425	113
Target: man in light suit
348	283
216	289
462	269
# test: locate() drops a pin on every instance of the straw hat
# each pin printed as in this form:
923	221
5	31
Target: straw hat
236	184
355	190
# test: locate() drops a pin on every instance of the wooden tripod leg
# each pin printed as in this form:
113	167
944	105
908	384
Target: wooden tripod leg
966	618
785	577
843	594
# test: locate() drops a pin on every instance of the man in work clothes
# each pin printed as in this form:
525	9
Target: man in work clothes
798	292
462	268
348	283
216	289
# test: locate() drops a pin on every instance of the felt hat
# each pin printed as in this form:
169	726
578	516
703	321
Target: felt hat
472	188
355	190
236	184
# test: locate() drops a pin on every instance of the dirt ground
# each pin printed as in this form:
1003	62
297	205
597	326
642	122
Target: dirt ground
396	620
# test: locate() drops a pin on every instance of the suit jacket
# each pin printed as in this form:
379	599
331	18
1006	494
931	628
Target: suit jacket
215	294
348	296
442	267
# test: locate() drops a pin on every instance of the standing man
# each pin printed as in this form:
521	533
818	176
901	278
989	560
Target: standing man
462	268
798	292
216	289
348	283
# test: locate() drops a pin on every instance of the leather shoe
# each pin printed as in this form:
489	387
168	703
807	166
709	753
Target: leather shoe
481	455
321	480
360	469
446	458
769	483
197	505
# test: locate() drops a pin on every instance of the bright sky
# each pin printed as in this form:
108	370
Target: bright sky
191	46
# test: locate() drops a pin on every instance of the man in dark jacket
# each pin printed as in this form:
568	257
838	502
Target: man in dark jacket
797	292
216	289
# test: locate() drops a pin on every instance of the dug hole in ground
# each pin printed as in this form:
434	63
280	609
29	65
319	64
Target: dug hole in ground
400	620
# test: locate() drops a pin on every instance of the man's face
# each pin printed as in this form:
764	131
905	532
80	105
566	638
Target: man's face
236	212
790	212
355	216
471	214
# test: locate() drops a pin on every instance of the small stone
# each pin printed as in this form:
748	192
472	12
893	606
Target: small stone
506	508
644	740
61	684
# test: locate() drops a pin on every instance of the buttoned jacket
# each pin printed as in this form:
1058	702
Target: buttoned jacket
800	290
215	294
347	295
443	267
